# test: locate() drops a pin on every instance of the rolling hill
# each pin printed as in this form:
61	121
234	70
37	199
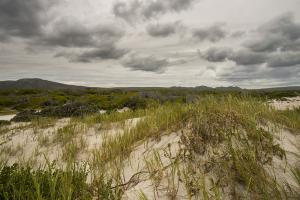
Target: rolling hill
35	83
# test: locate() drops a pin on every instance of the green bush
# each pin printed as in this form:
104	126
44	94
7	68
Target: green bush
23	183
17	182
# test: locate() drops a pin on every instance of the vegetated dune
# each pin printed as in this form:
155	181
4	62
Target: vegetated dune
217	148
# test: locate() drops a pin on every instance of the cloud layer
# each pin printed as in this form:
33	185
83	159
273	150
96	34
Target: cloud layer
145	63
212	33
134	11
281	33
20	18
271	52
163	29
154	38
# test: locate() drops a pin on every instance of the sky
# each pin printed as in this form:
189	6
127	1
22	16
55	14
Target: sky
141	43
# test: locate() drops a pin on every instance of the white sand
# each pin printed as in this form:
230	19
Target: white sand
24	141
168	146
6	117
281	168
290	103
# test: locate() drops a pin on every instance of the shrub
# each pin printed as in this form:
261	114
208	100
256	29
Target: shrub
23	183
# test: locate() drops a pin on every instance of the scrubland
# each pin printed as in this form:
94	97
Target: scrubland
216	147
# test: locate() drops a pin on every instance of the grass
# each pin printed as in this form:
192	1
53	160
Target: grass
113	116
23	183
43	122
291	119
228	141
43	140
17	182
296	175
167	118
155	168
68	132
143	196
7	111
12	151
72	149
214	121
233	123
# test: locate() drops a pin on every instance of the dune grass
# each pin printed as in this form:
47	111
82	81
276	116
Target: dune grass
291	118
166	118
23	183
235	124
112	117
228	120
236	128
43	122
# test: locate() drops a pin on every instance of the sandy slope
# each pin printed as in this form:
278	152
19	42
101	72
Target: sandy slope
142	171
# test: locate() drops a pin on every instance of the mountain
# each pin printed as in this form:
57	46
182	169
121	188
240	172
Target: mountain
290	88
35	83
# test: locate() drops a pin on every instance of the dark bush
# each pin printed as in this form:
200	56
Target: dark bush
3	122
25	116
69	110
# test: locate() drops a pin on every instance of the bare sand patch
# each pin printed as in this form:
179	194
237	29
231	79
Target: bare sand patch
7	117
142	165
22	143
281	168
287	103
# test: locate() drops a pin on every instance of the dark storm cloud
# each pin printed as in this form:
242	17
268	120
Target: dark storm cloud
135	10
256	74
241	57
274	53
277	46
162	30
127	11
151	63
100	53
145	63
216	54
212	33
281	33
284	59
74	34
22	18
101	40
246	57
237	34
26	19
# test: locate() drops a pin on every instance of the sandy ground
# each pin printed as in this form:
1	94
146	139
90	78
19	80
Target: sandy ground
288	103
6	117
21	143
281	168
167	147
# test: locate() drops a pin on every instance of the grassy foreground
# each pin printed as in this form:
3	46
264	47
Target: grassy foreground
233	134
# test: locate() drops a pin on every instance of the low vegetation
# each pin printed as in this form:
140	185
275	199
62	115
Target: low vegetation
227	148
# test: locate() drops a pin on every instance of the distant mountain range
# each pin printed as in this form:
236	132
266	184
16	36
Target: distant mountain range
35	83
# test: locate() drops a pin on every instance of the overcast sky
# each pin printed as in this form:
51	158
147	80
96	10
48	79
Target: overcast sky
111	43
